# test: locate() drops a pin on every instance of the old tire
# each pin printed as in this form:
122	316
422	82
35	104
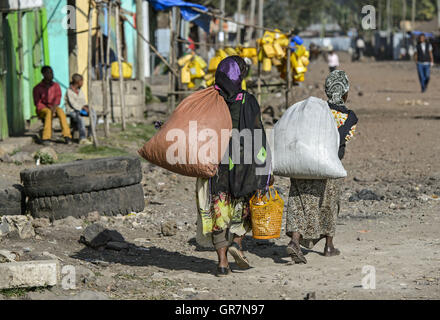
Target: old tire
12	200
81	176
107	202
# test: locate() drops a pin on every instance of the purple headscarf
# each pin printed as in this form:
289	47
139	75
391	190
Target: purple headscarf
229	75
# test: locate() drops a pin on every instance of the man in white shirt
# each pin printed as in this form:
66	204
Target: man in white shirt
333	61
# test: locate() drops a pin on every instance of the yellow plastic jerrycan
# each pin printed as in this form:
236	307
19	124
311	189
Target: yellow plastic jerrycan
200	61
185	74
267	64
127	70
213	63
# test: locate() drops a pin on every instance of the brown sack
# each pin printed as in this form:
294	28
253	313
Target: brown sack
194	152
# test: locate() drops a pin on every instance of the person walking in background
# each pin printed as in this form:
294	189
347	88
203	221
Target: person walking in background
47	98
360	48
425	60
76	104
333	60
313	205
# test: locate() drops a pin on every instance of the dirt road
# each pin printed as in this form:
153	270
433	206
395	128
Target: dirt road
394	154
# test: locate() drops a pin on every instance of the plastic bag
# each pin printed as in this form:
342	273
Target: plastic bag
306	142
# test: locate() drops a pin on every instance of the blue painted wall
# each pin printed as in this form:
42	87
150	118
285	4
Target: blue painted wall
58	43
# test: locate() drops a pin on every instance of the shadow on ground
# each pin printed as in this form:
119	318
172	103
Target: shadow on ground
134	255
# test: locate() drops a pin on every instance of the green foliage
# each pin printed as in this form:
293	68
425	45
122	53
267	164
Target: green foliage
103	151
426	9
148	95
19	292
45	158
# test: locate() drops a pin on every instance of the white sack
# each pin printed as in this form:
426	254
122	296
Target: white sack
306	142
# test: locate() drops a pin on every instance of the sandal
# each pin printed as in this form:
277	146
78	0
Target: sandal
331	252
223	272
294	251
309	243
238	255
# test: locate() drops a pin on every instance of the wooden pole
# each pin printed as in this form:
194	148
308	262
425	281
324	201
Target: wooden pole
239	8
18	125
89	80
259	79
438	13
155	51
260	17
140	42
389	27
146	32
104	80
4	130
404	10
251	21
288	75
107	73
176	53
413	14
221	32
171	77
121	76
379	15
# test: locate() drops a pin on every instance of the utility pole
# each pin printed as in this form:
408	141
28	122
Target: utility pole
260	18
221	31
251	21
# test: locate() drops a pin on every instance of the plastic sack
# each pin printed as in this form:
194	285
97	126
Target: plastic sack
306	142
193	141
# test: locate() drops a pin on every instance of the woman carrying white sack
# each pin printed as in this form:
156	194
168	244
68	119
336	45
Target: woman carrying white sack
313	205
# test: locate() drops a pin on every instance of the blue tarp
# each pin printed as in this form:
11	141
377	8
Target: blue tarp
427	34
202	20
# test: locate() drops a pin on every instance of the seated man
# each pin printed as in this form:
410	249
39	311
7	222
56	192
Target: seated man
76	105
47	97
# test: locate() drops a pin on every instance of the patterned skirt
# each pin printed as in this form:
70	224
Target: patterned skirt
313	207
220	212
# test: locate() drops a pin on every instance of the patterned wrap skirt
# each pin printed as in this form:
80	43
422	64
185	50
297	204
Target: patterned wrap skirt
313	207
220	213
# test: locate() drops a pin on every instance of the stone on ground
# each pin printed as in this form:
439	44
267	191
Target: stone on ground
169	228
96	235
28	274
